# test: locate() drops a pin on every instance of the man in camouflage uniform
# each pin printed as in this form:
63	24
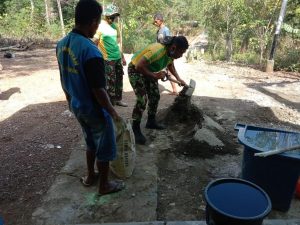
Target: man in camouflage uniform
108	40
144	71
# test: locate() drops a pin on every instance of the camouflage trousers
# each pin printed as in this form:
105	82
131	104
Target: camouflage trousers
146	91
114	79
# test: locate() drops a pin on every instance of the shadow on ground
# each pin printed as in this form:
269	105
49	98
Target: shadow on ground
35	143
5	95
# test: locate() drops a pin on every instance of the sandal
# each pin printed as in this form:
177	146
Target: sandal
84	182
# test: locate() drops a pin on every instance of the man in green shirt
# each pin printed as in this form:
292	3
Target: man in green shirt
108	41
144	71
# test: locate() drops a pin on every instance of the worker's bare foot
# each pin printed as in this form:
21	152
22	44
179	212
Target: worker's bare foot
111	187
173	93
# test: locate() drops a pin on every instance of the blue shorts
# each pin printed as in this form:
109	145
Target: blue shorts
99	135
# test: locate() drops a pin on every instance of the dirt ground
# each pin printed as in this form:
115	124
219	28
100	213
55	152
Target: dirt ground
38	133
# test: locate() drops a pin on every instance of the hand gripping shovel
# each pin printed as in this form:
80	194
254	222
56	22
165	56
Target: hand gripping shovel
187	90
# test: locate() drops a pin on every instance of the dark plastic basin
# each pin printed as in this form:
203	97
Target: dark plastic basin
232	201
276	174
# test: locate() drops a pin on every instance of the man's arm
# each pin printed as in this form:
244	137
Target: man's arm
167	31
103	99
95	73
172	69
142	67
62	85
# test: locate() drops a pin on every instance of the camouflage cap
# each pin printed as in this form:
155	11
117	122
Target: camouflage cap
110	10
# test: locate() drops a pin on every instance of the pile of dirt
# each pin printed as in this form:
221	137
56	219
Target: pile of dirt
182	111
188	119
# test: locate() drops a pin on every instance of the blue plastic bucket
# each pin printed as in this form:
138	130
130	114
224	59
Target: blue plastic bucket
276	174
232	201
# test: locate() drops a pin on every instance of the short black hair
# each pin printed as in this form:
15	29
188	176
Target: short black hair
158	16
87	11
181	42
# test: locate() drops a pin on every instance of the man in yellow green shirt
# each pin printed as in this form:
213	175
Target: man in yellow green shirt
145	69
108	40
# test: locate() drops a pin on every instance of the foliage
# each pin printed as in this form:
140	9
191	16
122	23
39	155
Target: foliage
137	19
238	30
17	24
249	58
289	29
137	23
288	60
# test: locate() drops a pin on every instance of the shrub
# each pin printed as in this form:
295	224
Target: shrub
288	60
249	58
133	42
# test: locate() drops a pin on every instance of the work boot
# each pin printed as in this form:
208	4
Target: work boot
152	124
139	137
120	103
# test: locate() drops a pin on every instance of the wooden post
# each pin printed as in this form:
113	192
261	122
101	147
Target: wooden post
61	18
270	66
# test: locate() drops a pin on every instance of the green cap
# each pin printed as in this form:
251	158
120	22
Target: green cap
110	10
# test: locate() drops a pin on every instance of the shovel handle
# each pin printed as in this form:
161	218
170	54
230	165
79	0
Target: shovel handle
277	151
168	77
175	81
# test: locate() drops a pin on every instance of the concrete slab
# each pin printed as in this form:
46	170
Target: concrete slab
186	223
68	202
131	223
266	222
274	222
293	222
282	222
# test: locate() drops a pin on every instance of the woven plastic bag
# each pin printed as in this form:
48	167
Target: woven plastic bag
124	164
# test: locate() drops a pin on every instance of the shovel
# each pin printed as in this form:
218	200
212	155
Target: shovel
187	90
277	151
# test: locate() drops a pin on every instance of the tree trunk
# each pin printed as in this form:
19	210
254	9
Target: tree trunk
262	47
228	47
245	44
262	33
229	32
32	10
213	51
47	13
61	18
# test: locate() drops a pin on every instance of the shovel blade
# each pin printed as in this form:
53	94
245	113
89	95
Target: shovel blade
189	92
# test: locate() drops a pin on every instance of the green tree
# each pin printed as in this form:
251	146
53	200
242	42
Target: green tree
137	18
222	19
